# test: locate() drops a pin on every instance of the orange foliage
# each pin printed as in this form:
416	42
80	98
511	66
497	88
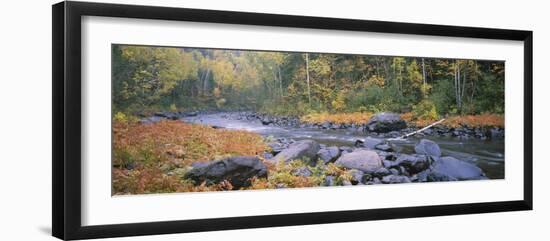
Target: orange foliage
483	120
155	150
472	121
408	117
339	118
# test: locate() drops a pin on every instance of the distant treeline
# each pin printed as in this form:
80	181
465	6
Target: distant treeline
165	78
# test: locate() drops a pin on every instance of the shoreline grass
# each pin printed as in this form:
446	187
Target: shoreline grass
359	118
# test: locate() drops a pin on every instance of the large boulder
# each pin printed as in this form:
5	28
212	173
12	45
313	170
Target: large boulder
237	170
329	154
366	161
385	122
305	150
428	148
452	169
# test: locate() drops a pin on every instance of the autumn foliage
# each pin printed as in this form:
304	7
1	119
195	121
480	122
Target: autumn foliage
473	121
338	118
152	158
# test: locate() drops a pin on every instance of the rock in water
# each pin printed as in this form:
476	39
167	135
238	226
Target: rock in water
451	169
369	142
428	148
237	170
384	147
385	122
364	160
329	154
266	121
305	150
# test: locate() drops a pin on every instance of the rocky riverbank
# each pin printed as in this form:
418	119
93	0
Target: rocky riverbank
303	161
381	125
370	162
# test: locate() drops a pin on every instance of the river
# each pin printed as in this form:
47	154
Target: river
486	154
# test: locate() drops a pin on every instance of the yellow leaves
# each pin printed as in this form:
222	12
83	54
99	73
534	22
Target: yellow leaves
426	116
376	80
473	121
339	103
217	92
339	118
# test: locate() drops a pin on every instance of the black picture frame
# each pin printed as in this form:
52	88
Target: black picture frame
66	128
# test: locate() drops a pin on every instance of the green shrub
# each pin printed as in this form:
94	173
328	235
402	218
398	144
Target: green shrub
173	107
425	110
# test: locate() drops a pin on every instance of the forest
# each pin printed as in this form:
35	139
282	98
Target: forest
196	119
291	83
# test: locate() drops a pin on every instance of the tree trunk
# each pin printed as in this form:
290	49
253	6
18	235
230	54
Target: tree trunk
280	80
423	72
455	74
205	82
424	77
459	102
307	79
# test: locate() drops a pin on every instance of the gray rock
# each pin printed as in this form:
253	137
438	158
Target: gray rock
151	120
413	164
357	177
394	171
266	121
385	122
495	133
302	171
345	149
451	169
329	154
369	142
363	160
268	155
384	147
276	147
305	150
382	172
237	170
388	164
427	147
329	181
395	179
403	171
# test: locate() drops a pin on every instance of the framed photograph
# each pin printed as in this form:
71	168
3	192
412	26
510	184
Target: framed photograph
170	120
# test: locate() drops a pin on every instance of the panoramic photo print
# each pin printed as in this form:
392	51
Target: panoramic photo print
201	120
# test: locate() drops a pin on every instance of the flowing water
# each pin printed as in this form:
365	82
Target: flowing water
486	154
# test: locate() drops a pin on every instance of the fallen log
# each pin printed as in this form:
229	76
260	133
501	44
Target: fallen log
421	130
